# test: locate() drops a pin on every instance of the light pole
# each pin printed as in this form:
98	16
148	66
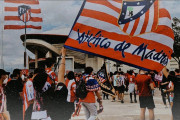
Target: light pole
24	13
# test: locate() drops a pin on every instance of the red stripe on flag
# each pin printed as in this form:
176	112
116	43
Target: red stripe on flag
126	27
164	13
119	1
156	15
21	27
105	3
16	18
167	31
14	9
146	20
100	16
119	37
135	26
23	17
22	1
116	55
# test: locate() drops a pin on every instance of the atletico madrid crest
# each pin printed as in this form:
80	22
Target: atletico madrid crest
135	14
24	13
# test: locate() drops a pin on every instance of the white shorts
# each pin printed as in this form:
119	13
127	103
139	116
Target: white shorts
131	87
90	110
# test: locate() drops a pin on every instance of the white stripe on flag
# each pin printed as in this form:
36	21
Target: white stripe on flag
122	26
130	27
151	19
22	23
74	35
165	20
33	6
99	24
15	13
160	38
116	4
140	25
101	8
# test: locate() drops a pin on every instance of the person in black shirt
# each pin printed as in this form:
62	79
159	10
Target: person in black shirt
53	98
13	92
176	101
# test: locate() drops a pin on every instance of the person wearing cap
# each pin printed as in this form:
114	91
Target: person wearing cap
3	112
14	95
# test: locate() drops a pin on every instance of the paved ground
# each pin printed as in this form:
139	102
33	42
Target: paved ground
130	111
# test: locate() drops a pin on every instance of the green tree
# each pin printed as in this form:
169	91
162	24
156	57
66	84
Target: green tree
176	29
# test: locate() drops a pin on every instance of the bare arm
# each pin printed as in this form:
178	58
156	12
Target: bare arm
136	88
165	72
98	96
152	86
170	90
62	67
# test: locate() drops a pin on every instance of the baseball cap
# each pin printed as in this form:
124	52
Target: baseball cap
3	72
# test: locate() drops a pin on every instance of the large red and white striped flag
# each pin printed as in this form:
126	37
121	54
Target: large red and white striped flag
16	14
137	33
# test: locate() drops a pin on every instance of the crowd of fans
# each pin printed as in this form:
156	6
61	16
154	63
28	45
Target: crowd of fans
50	96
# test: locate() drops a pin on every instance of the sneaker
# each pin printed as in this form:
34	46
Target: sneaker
113	101
122	101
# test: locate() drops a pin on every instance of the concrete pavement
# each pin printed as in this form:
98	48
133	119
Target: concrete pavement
130	111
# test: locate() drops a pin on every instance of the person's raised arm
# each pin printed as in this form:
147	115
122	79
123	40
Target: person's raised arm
61	71
165	72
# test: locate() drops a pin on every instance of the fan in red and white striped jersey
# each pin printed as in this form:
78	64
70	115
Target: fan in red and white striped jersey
13	21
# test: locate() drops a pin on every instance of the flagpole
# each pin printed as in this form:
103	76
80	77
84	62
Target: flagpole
25	45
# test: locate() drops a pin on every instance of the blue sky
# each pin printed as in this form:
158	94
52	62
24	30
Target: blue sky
55	14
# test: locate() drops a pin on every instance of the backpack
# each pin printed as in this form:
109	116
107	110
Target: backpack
81	91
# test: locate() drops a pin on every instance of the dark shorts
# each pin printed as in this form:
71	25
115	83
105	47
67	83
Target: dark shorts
121	89
116	88
146	102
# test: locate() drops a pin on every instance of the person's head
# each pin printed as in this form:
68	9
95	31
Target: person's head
3	74
121	73
131	72
176	71
50	62
111	74
39	80
88	70
30	75
116	72
39	70
16	73
142	72
70	75
172	73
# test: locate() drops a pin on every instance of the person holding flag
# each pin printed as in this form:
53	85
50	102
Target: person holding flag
176	81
